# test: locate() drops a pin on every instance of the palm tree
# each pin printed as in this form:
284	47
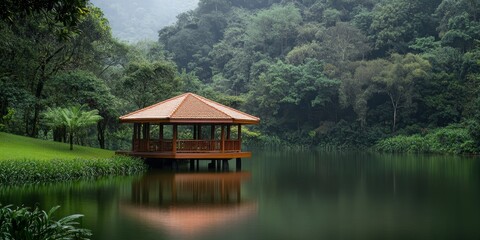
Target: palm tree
72	118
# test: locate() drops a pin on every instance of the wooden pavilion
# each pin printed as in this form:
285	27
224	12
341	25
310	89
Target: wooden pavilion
188	127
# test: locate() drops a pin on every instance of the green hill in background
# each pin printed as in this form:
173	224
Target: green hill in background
134	20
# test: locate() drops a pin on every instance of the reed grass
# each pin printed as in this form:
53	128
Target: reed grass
26	171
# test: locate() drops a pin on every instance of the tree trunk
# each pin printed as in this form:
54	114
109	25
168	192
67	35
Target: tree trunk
101	125
394	118
70	137
36	111
395	108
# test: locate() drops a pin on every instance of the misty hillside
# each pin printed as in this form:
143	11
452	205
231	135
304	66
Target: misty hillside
134	20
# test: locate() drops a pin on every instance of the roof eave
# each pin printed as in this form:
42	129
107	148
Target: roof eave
188	121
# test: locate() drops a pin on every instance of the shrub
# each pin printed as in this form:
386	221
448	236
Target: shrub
451	139
414	143
22	171
24	223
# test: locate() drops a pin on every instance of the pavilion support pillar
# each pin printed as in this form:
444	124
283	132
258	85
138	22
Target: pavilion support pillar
175	165
225	165
211	165
239	164
218	165
174	141
198	164
192	165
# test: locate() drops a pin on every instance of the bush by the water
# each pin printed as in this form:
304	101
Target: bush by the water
25	223
19	171
452	139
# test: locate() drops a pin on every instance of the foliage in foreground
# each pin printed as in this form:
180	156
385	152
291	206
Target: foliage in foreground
20	171
452	139
24	223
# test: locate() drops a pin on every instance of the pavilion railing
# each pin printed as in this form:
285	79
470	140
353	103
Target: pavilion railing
184	146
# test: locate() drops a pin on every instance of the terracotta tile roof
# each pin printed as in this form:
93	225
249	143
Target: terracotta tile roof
189	108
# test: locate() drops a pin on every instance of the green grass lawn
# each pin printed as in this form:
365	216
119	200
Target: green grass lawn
18	147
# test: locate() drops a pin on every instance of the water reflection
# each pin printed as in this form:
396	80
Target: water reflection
188	205
288	195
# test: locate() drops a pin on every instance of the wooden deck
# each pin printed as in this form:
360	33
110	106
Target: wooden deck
187	155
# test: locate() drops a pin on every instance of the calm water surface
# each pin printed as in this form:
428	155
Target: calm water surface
280	195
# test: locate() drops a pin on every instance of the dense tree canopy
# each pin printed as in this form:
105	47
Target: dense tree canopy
343	73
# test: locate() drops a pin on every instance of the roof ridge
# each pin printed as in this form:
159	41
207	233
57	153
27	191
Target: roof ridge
201	100
154	105
233	109
175	110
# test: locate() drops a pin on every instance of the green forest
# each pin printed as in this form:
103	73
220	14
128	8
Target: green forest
396	75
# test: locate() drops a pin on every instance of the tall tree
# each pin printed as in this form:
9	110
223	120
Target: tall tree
399	79
66	12
148	82
396	23
357	87
343	42
459	25
274	30
81	87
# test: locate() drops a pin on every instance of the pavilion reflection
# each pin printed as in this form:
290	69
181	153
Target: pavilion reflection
189	204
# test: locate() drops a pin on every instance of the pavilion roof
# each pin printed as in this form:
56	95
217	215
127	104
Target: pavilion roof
189	108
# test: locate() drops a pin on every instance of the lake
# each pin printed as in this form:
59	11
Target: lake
279	194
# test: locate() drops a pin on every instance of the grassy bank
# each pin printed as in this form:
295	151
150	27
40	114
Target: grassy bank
18	147
27	160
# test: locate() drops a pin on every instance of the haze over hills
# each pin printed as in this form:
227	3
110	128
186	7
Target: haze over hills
133	20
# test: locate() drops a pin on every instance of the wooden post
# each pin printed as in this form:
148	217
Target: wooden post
225	165
222	138
192	164
212	163
239	137
174	141
239	164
